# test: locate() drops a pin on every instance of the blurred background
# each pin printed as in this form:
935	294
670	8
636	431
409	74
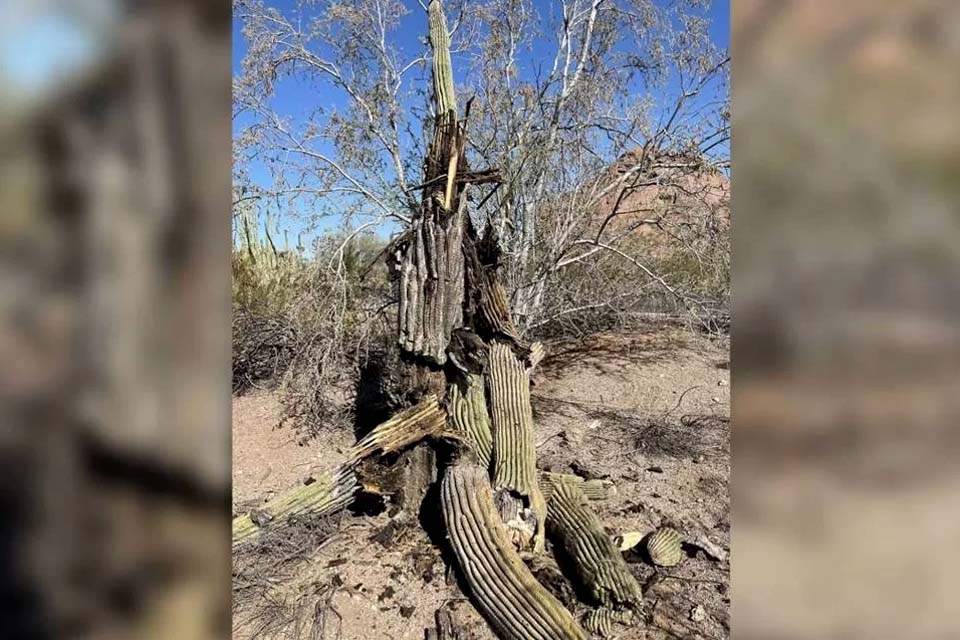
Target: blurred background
114	319
846	337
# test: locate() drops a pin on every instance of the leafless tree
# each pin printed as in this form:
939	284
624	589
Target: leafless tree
602	116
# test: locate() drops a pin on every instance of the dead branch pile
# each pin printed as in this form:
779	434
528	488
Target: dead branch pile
263	349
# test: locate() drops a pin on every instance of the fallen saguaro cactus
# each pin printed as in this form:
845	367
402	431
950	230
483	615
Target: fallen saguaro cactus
327	494
334	491
455	332
402	430
600	568
504	590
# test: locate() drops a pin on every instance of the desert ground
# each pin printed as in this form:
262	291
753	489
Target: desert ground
648	409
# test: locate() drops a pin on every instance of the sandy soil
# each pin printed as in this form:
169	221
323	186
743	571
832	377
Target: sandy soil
648	410
267	458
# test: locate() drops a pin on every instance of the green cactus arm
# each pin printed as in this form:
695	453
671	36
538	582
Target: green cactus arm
442	68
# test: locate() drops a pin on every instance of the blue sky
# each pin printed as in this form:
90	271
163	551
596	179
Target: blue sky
43	43
296	98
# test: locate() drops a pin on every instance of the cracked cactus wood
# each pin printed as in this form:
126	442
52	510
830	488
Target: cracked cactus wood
402	430
503	588
600	568
431	283
487	305
444	95
518	495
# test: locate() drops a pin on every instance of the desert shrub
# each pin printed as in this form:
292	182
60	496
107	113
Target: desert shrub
342	314
265	282
679	272
305	323
264	346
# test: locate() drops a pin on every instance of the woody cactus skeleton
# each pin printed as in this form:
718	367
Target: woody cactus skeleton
454	313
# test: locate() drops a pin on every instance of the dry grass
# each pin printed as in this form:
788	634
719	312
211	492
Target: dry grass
268	598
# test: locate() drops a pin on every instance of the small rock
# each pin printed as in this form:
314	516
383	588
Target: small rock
585	472
698	613
721	383
715	400
713	550
655	469
260	517
698	459
387	593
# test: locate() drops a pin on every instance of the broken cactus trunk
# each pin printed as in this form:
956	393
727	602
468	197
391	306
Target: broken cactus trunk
458	340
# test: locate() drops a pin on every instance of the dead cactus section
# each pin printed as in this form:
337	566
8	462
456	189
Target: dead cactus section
594	489
431	258
327	494
598	564
487	307
408	427
502	586
431	282
334	491
514	460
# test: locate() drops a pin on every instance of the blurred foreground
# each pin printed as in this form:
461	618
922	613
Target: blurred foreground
846	332
114	320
